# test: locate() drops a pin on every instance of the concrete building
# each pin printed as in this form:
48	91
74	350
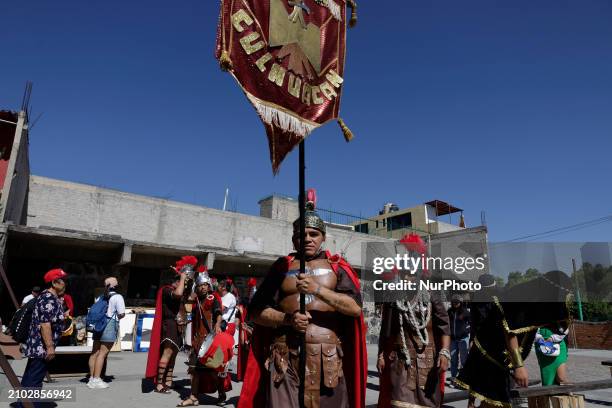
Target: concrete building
393	222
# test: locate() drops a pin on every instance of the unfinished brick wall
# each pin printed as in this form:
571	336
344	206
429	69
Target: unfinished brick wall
591	335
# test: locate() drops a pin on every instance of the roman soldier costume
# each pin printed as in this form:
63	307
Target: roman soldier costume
336	361
167	324
414	334
205	313
411	342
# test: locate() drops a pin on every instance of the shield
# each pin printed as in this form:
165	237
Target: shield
206	344
288	58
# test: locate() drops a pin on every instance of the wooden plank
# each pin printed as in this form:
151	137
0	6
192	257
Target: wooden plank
455	396
567	401
561	389
538	402
13	380
9	287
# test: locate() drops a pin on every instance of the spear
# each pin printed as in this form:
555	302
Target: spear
302	253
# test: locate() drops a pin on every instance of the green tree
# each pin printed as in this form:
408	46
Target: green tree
530	274
514	278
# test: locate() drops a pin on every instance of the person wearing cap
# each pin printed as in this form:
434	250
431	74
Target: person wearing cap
35	292
45	329
332	328
206	322
103	341
459	317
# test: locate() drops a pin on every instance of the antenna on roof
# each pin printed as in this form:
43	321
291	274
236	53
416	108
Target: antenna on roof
27	93
225	199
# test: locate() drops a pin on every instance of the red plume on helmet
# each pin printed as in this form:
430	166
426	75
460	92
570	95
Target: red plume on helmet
202	268
414	243
186	260
311	197
252	282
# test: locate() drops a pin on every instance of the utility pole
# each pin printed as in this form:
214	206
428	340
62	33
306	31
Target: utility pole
578	300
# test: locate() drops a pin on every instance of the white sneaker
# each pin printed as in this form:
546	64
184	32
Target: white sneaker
98	384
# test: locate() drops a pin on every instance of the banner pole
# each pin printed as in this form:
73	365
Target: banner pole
302	204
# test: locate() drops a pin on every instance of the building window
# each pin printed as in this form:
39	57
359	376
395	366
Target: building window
399	221
363	228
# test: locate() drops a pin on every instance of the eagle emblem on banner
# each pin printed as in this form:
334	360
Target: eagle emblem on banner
288	58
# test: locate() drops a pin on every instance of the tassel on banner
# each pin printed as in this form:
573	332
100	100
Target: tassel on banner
353	5
225	62
332	6
348	135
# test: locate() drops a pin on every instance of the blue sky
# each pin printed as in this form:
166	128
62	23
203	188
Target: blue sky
504	107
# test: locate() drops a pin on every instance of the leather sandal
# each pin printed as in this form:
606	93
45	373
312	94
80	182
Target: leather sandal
189	402
162	390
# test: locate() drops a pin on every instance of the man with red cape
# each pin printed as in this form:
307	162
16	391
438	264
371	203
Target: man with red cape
336	360
167	332
212	347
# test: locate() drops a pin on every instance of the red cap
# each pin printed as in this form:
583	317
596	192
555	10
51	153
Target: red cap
54	274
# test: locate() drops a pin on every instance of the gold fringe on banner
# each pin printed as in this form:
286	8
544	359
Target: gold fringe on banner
353	5
348	135
225	62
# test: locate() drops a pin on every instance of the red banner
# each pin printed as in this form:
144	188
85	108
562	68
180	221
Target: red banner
288	58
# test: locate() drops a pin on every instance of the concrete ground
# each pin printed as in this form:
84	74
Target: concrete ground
126	370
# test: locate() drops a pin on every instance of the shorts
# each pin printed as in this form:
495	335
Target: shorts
110	332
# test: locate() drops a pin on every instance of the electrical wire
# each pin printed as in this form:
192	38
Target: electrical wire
563	230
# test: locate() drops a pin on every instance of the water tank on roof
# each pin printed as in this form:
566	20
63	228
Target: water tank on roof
389	207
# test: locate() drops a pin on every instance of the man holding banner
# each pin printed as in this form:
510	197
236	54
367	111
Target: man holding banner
288	58
336	362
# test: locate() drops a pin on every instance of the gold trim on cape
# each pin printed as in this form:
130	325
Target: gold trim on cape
482	397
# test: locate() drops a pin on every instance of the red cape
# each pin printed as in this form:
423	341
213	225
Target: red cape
242	338
69	303
355	360
154	344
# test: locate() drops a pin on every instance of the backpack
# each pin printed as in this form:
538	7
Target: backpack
19	327
96	320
